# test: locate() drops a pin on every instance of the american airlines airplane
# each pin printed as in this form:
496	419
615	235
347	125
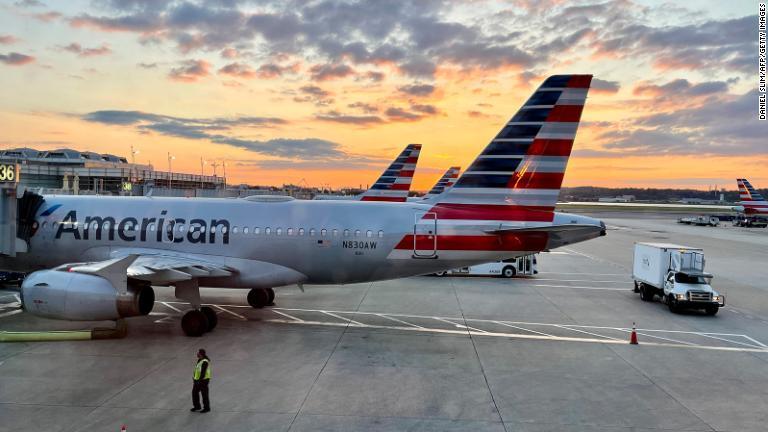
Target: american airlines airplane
751	201
97	257
394	184
446	182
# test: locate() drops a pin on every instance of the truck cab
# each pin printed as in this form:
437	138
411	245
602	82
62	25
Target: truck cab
676	274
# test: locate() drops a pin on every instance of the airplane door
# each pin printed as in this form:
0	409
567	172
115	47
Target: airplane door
425	235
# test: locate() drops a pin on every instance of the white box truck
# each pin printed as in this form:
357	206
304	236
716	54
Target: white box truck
676	274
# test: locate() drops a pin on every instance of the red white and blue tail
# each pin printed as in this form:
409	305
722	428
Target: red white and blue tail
395	183
751	200
518	176
446	182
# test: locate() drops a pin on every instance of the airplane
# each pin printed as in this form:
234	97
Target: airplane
394	184
97	257
751	201
445	182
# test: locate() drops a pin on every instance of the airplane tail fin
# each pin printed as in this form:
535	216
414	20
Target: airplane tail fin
446	182
395	183
751	200
518	176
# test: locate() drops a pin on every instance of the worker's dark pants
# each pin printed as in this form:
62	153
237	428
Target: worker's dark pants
197	388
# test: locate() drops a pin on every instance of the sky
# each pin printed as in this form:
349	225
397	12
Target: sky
328	92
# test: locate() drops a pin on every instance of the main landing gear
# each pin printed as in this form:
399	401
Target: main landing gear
260	297
200	319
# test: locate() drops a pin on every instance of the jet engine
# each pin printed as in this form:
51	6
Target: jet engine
82	297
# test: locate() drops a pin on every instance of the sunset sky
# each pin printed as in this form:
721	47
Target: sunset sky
328	92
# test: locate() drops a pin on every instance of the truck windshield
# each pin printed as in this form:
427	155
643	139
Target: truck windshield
688	279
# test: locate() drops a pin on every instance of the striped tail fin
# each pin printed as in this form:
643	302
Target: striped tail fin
395	183
751	200
518	176
446	182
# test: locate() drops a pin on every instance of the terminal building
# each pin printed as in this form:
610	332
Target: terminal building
81	172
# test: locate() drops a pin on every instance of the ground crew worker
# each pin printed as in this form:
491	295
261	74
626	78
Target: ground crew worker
200	384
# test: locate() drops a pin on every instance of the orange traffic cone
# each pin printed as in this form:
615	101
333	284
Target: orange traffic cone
633	336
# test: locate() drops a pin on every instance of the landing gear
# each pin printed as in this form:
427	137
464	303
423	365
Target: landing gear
271	294
260	297
209	313
194	323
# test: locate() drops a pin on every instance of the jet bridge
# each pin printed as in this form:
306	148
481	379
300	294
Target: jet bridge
17	215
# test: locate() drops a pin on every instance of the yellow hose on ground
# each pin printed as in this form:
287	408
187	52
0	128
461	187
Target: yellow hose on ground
120	330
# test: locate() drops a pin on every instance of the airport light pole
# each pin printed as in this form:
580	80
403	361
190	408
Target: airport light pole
170	171
202	171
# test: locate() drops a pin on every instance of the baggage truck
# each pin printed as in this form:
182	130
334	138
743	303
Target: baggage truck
676	274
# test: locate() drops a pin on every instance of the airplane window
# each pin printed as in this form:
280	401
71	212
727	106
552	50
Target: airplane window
54	225
181	227
301	231
213	230
74	225
107	226
369	233
289	231
346	233
256	230
311	231
335	232
278	231
235	230
323	232
151	227
357	233
267	230
381	234
245	230
223	230
45	225
85	225
202	229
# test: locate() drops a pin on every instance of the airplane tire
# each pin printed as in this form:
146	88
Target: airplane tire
194	323
211	316
508	272
258	298
271	295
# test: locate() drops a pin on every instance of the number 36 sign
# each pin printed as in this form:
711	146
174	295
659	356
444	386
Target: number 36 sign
9	173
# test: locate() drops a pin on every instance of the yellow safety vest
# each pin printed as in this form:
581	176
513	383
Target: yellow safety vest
199	368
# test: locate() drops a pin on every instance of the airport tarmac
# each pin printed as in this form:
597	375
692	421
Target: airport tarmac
547	353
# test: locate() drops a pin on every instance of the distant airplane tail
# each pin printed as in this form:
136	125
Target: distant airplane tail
395	183
446	182
751	200
518	176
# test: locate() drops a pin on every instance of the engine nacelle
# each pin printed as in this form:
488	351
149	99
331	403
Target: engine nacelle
82	297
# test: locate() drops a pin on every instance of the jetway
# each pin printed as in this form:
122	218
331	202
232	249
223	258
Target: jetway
17	215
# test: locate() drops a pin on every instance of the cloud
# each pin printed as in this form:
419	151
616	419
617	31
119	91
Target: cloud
238	70
374	76
337	117
364	107
680	88
147	65
214	130
399	114
603	86
16	59
328	72
29	3
230	53
417	89
190	71
272	70
8	39
47	16
314	94
76	48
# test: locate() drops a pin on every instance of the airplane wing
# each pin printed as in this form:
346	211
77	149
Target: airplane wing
157	267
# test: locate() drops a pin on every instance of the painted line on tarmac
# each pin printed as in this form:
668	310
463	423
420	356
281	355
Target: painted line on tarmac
582	273
576	280
583	287
238	316
286	315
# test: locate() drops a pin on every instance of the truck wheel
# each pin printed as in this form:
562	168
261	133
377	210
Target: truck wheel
673	306
637	288
646	293
508	272
712	310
